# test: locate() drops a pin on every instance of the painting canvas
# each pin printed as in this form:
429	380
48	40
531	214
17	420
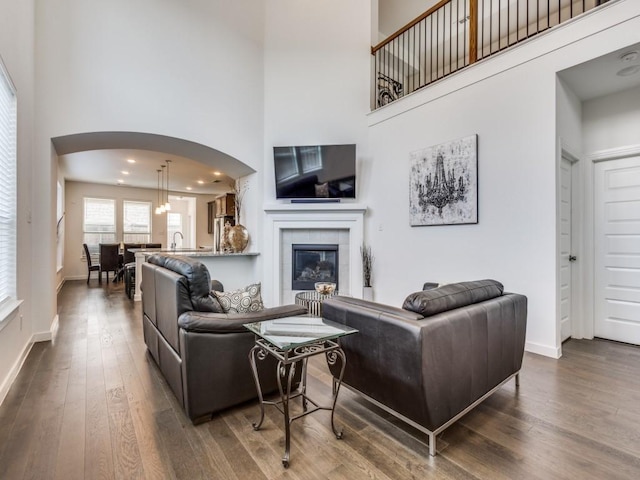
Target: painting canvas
444	183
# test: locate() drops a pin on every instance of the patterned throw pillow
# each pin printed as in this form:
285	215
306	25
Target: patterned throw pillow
243	300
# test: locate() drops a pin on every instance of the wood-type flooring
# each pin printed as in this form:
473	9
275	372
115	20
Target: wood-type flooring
92	405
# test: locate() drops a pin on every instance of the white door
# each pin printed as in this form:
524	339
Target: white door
566	256
617	250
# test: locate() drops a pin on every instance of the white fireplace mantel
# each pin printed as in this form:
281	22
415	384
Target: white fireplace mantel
311	216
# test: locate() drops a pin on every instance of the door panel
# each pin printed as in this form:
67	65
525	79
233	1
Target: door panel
617	250
565	248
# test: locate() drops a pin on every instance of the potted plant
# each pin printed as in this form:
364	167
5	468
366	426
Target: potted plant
367	264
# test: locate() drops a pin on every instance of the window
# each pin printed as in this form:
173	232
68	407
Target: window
8	189
99	224
136	222
310	159
174	224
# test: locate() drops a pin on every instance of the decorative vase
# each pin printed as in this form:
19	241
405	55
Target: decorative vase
238	238
367	293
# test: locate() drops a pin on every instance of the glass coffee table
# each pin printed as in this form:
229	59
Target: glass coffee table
291	341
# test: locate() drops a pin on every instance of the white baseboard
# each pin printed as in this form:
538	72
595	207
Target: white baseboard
48	335
546	350
13	373
78	277
59	287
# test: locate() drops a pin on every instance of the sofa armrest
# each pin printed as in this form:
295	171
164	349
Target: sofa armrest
207	322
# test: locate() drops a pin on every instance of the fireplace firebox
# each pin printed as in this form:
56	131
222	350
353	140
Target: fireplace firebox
313	263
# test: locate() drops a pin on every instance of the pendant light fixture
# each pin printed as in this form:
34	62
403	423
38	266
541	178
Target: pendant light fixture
158	212
161	208
167	206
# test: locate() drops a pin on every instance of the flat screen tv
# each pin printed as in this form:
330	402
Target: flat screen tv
315	171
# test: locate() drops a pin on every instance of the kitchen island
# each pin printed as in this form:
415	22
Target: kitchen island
234	270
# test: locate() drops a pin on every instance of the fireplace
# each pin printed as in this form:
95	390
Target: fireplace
313	263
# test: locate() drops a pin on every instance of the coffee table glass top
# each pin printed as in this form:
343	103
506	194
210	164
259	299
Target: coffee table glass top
291	332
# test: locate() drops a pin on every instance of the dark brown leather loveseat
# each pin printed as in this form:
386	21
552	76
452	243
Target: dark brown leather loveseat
436	358
201	352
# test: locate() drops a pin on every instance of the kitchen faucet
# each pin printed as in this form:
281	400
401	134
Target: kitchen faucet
173	244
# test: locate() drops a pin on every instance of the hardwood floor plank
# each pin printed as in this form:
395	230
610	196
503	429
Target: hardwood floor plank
241	462
98	459
124	445
17	394
181	456
70	456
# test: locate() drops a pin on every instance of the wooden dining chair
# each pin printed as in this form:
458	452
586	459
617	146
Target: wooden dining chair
109	259
90	266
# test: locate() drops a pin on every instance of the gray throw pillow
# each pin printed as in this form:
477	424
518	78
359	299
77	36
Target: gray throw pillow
451	296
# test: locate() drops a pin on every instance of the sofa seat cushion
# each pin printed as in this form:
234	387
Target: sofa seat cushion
452	296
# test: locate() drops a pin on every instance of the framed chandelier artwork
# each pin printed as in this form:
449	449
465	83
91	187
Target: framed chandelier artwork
444	183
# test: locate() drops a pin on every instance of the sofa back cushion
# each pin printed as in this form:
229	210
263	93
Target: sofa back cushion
452	296
197	279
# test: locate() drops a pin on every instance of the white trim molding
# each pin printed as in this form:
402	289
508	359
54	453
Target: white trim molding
546	350
311	216
614	153
14	371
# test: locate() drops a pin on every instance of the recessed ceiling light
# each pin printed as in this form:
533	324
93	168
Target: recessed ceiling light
189	188
628	71
629	56
124	172
120	181
131	160
201	182
217	174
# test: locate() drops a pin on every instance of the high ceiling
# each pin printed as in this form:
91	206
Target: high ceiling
605	75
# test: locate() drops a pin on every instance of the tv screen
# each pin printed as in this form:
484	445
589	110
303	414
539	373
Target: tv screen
319	171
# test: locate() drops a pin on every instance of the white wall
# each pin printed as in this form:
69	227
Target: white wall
316	76
612	121
510	102
191	69
16	49
396	14
568	118
75	266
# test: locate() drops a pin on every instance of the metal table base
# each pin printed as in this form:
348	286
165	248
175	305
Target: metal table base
288	362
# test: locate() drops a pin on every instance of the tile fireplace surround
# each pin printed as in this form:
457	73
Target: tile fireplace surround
313	223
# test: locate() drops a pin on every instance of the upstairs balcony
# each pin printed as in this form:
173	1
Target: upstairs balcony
454	34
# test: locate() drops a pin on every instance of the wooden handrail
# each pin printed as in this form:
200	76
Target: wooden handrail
409	25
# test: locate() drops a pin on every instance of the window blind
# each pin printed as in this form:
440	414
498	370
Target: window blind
136	221
99	223
8	188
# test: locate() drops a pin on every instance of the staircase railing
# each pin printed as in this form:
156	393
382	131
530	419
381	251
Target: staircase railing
454	34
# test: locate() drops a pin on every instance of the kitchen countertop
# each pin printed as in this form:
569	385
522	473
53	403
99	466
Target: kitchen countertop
191	252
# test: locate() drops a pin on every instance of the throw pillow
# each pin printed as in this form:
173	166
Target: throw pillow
451	296
243	300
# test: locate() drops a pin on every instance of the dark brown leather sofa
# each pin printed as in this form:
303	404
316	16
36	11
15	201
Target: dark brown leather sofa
201	352
436	358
